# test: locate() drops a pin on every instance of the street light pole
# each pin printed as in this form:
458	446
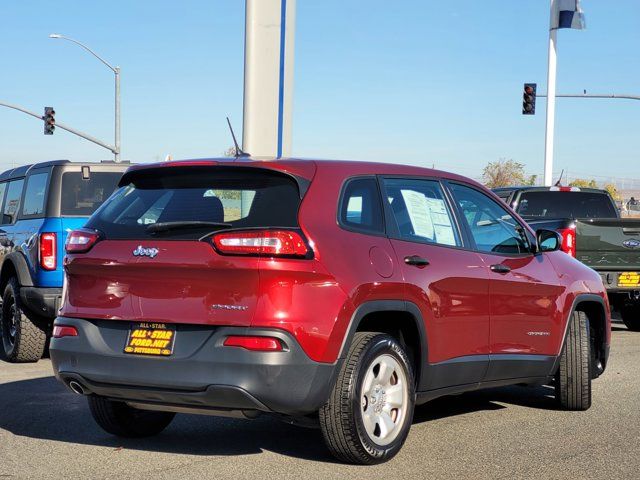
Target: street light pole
117	110
116	71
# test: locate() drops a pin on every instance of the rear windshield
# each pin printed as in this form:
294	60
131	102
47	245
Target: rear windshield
82	196
565	205
223	199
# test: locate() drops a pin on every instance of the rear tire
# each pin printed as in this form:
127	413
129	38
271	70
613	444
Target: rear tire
573	380
631	316
118	418
369	414
22	340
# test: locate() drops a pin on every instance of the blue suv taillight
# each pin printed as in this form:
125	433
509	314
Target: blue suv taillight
48	251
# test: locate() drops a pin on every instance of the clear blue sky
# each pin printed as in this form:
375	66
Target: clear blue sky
411	81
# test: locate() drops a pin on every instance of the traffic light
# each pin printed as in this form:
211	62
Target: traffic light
529	99
49	120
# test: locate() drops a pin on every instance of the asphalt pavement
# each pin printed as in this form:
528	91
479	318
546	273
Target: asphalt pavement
513	432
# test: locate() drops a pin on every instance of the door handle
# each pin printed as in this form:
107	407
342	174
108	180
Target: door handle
500	268
416	260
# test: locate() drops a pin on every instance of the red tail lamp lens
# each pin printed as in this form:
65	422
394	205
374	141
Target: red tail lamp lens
568	240
259	344
48	251
81	241
60	331
261	242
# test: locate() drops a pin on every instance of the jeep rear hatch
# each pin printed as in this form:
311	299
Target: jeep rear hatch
183	245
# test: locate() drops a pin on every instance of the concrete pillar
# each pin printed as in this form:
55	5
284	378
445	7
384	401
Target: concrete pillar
268	77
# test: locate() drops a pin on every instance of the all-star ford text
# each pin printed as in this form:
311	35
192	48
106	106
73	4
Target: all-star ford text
342	293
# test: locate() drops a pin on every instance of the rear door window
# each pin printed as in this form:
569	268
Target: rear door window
12	203
421	211
82	196
193	201
34	195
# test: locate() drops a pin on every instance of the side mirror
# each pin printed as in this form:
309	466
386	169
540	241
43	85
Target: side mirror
548	240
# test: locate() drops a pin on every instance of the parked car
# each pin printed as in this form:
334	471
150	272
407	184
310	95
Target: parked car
593	232
342	293
40	204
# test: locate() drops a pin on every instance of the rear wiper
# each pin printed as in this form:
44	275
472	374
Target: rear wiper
166	226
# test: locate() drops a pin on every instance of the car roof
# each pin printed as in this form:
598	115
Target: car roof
306	168
23	170
545	189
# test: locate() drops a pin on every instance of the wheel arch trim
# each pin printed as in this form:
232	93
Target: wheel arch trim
581	298
19	264
381	306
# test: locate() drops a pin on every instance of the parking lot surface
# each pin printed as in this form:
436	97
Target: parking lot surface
513	432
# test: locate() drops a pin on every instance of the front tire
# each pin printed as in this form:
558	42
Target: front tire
22	340
631	316
369	414
118	418
573	380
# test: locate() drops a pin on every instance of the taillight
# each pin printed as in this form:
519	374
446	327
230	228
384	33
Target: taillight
48	251
60	331
81	241
261	344
261	242
568	240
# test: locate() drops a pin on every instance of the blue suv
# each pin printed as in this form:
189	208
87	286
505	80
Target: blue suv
40	204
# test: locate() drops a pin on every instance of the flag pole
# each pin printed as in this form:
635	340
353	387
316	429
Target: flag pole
551	98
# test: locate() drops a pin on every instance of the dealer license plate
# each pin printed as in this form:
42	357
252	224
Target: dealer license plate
629	279
150	339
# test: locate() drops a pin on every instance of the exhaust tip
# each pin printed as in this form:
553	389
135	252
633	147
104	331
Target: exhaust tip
77	388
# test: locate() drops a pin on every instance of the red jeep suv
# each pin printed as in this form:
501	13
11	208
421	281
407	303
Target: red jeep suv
341	293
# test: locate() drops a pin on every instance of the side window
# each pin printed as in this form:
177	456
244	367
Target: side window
421	212
34	194
492	227
3	189
12	203
360	206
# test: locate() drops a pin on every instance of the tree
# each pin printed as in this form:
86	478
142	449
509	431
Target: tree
582	183
504	173
613	191
229	152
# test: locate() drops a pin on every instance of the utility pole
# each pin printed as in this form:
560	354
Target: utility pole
551	99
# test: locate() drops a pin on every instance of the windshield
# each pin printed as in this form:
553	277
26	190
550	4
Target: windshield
82	197
192	204
548	204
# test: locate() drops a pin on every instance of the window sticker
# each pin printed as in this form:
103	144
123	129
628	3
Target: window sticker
441	221
418	211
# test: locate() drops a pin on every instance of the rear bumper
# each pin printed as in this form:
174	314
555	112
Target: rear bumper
42	301
610	281
201	373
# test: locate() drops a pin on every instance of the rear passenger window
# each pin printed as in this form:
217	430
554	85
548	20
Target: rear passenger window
360	207
12	203
421	212
82	196
34	194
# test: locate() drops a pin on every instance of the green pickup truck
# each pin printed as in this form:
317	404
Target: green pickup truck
593	232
